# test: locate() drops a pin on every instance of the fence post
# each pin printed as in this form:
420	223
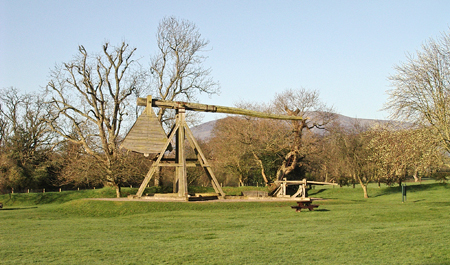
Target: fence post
403	193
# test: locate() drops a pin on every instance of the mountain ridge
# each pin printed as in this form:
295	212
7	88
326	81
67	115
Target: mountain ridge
204	131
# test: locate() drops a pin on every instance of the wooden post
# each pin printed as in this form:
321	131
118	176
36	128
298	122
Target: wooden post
180	157
304	188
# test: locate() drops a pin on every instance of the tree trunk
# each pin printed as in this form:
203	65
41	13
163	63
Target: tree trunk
364	187
111	181
366	195
263	173
353	180
241	183
286	168
118	191
416	178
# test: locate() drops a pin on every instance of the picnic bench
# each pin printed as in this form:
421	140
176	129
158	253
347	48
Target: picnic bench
304	204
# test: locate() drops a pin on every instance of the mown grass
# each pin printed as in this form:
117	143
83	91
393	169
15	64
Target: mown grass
345	229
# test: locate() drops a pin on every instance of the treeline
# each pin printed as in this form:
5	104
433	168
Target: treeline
69	134
34	157
242	150
250	151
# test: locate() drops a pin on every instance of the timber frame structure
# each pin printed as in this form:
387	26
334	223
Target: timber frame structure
178	134
302	190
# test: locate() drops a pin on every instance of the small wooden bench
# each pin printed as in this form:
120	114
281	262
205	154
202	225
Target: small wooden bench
305	204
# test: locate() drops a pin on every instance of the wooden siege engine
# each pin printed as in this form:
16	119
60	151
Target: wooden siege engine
148	137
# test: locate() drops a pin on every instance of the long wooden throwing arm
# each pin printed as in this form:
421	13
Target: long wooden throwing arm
213	108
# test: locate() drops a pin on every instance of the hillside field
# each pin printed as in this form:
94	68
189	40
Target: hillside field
66	228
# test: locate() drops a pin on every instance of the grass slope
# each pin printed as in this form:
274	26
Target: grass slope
345	229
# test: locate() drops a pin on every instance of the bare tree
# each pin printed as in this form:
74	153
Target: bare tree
78	169
25	139
23	115
3	127
90	97
421	92
249	146
316	114
177	69
398	153
230	155
352	144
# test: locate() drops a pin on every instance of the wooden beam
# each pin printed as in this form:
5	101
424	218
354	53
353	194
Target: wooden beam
204	164
302	182
174	164
213	108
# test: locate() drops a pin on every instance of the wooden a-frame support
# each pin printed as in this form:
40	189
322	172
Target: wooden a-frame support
180	132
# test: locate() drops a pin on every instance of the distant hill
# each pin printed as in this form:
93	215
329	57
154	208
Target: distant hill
204	130
346	121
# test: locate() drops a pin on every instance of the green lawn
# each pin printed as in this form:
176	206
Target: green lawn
63	228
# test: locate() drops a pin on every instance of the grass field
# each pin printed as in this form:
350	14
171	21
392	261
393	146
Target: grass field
64	228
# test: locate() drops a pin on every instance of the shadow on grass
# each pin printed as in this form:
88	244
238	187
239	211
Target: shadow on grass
442	204
411	188
321	210
21	208
310	192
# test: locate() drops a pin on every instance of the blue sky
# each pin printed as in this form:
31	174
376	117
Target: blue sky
344	49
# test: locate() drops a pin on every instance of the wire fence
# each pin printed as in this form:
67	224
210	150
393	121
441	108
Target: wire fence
44	190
